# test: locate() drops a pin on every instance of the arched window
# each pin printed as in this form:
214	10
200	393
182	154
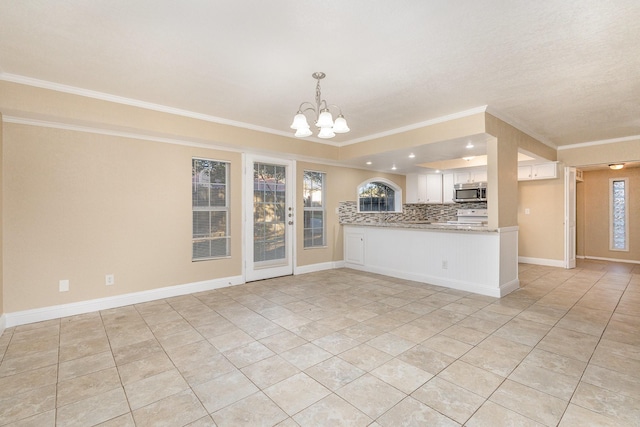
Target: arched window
379	195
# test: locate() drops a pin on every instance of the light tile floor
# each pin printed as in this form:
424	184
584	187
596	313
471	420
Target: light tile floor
341	348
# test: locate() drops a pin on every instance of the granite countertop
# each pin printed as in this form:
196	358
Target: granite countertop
423	225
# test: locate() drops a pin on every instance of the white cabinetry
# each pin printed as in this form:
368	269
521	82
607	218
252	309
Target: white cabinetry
447	188
540	171
423	188
473	176
434	188
354	247
484	262
416	188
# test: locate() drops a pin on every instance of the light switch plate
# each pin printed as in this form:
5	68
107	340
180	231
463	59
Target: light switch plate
64	285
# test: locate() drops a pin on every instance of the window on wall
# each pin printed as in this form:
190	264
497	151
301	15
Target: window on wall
314	209
379	195
619	214
210	205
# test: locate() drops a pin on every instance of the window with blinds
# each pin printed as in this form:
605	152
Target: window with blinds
210	205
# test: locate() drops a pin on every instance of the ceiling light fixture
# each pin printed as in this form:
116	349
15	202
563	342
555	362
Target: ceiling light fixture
616	166
323	119
368	163
393	167
411	156
469	145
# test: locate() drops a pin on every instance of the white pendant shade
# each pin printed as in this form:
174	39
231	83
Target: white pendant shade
325	120
326	133
340	125
299	122
302	132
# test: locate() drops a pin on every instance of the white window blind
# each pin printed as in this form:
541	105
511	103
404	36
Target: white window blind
210	205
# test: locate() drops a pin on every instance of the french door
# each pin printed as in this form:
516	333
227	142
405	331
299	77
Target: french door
269	218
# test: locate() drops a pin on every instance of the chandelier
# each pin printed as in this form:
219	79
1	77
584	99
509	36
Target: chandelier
323	119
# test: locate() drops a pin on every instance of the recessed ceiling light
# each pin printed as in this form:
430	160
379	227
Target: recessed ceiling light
368	163
469	145
411	156
437	171
393	167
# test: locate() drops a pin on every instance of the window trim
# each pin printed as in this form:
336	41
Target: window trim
322	209
626	215
397	204
225	208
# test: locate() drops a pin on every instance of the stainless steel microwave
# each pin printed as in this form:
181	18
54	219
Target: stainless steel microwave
470	192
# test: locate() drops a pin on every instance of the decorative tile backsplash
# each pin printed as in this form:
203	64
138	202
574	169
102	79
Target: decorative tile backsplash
348	213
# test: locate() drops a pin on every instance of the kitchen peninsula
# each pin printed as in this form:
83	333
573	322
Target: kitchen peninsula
469	258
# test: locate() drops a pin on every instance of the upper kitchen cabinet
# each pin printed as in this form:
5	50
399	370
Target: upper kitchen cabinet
539	171
434	188
424	188
473	176
416	188
448	182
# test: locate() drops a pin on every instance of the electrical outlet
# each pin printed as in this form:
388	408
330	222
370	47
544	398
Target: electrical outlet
64	285
527	211
109	279
445	265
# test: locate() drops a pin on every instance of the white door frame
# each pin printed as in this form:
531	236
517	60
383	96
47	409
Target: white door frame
268	270
569	217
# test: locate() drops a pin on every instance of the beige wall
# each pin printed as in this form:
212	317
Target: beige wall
541	232
595	212
437	132
500	129
623	151
341	184
580	224
502	169
1	219
49	105
81	205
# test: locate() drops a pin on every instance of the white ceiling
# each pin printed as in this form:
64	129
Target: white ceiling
565	71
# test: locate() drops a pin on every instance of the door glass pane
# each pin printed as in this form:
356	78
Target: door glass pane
269	212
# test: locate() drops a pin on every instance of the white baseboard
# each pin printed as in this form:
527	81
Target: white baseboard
312	268
3	324
542	261
509	287
437	281
72	309
630	261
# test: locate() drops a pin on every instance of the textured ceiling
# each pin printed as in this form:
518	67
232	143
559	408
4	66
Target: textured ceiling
565	71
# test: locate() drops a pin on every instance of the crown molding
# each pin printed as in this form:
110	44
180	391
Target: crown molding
600	142
28	81
156	138
113	132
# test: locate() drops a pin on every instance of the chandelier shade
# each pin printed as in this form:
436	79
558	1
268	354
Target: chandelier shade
322	115
302	132
340	125
299	121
